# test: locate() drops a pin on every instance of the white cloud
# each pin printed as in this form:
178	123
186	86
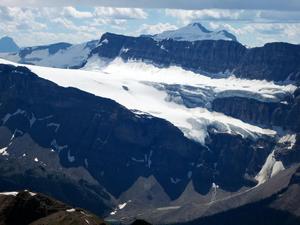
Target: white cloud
14	19
155	28
68	23
72	12
120	13
186	16
261	33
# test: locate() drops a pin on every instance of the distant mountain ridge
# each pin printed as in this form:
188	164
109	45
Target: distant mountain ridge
61	55
7	44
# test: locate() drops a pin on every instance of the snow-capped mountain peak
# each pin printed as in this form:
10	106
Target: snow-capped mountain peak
195	32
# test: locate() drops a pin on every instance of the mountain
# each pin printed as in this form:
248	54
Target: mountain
28	208
156	130
145	159
60	55
7	44
273	62
194	32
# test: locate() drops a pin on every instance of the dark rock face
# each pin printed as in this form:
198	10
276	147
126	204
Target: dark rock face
27	208
249	110
274	61
234	159
278	61
266	114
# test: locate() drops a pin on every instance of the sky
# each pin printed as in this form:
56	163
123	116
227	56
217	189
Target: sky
254	23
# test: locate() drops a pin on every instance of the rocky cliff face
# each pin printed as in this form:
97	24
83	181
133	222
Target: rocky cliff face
274	61
267	114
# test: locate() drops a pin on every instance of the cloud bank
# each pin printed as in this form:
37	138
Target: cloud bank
292	5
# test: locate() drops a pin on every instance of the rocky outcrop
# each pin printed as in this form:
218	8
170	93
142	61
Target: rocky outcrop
27	208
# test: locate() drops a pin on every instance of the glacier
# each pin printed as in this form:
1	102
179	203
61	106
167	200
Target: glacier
143	88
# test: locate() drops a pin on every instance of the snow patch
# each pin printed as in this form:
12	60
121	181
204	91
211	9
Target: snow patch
175	180
32	120
71	210
137	160
55	125
105	41
3	151
8	115
86	163
289	139
14	193
70	157
122	206
214	187
58	147
270	168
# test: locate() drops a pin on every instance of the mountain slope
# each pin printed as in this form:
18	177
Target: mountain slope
7	44
282	208
194	32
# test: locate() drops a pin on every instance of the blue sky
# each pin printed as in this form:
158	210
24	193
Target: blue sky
33	22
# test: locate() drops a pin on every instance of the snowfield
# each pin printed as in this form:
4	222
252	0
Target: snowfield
143	88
